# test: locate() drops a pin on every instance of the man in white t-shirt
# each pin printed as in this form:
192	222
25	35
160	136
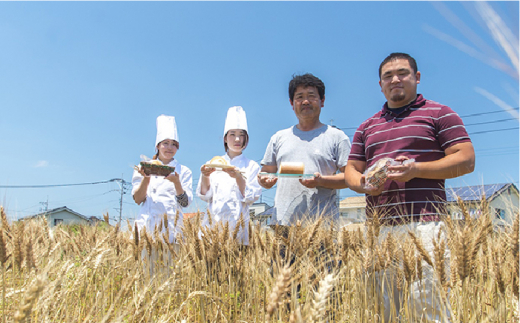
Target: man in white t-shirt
322	148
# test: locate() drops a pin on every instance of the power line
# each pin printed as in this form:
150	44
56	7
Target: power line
490	112
488	122
468	116
62	185
486	131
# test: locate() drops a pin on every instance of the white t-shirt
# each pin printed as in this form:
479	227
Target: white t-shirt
324	150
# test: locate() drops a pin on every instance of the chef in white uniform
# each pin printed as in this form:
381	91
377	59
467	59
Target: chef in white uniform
230	191
158	195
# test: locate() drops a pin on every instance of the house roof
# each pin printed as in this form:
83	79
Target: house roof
266	214
59	209
192	215
474	193
353	202
260	203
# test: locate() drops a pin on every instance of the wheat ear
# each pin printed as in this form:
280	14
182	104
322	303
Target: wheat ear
320	298
420	247
28	302
3	258
280	289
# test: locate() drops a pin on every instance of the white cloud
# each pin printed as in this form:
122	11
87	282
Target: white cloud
41	163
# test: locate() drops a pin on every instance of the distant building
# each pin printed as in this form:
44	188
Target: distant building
352	210
62	215
263	217
257	208
193	215
503	200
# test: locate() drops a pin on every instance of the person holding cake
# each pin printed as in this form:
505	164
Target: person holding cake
232	188
320	149
159	195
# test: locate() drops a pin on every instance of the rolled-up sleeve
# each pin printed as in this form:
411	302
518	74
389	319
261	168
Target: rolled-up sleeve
187	182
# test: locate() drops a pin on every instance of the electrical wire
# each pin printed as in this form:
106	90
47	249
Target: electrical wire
488	131
489	112
59	185
488	122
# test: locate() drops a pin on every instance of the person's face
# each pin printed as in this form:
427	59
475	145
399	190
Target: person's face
399	82
167	149
307	103
235	139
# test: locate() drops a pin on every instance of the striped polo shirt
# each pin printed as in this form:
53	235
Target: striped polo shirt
423	131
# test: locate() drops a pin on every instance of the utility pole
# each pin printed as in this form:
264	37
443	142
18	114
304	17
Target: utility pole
45	205
121	200
121	182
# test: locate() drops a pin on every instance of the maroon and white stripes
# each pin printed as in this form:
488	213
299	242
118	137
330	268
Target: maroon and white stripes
422	131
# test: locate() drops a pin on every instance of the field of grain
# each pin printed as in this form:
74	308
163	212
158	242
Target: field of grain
102	274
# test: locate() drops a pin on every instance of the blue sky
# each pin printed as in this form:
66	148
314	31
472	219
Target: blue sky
83	82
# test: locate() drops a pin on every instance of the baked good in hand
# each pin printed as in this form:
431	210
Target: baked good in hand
156	167
377	173
218	160
291	168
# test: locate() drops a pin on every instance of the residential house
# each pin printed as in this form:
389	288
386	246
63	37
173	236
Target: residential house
61	215
352	210
257	208
503	201
263	217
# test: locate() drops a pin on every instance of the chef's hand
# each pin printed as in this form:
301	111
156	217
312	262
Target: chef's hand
140	170
311	182
267	181
206	171
233	172
174	178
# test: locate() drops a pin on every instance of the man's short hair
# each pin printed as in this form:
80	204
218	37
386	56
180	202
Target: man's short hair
306	80
394	56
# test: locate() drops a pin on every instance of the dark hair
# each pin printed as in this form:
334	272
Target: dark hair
157	149
246	141
395	56
306	80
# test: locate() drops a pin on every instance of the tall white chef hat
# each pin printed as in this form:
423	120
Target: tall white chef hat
166	129
236	119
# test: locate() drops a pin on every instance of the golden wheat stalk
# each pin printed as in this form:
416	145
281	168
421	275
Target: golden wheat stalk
29	300
319	302
279	290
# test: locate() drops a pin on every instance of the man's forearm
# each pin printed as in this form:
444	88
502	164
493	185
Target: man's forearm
448	167
336	181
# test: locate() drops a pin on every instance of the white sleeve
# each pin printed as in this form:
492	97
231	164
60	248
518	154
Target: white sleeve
136	181
187	183
253	189
209	194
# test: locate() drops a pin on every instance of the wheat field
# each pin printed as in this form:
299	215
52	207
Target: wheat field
311	274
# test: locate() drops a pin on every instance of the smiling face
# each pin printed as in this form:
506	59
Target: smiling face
167	149
399	82
236	141
307	103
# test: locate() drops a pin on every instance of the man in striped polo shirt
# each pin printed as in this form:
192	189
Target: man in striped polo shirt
413	196
409	127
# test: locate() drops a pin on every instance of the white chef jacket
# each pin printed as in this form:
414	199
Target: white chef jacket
225	201
160	199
